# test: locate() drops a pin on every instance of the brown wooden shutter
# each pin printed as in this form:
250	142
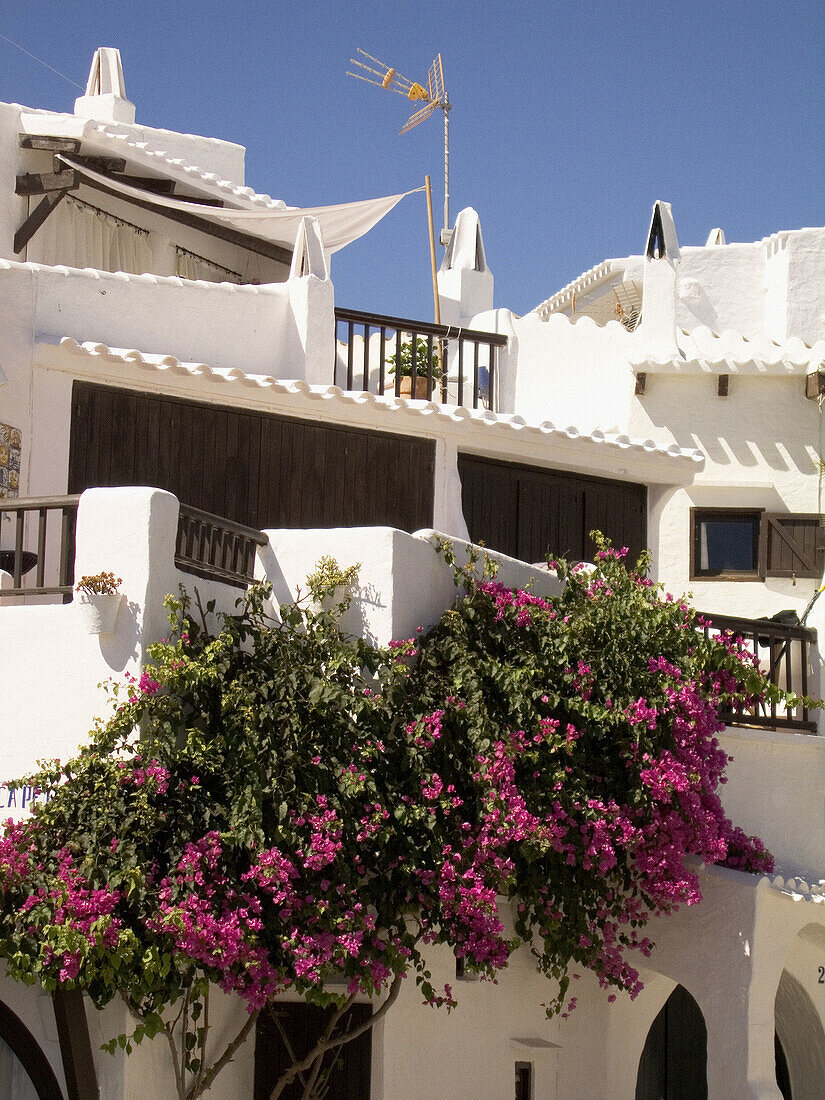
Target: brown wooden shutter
526	511
791	545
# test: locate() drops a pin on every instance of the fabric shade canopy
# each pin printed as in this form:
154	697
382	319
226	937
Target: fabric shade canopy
340	225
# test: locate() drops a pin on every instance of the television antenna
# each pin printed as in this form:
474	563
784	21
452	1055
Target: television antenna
434	97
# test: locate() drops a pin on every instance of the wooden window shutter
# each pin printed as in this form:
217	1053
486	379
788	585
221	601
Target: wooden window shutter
791	545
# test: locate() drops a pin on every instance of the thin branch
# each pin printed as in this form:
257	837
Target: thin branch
224	1059
325	1044
201	610
138	1015
169	1032
330	1028
313	1077
184	1028
204	1034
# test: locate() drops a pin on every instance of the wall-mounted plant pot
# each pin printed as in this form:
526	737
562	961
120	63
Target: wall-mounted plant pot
99	610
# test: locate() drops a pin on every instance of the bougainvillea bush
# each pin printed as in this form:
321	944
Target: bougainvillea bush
275	806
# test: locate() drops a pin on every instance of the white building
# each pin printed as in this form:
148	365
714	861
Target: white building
162	325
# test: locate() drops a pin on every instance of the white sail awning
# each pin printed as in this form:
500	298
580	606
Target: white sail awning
340	225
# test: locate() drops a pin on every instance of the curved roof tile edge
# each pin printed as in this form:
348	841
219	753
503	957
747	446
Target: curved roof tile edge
148	278
591	277
795	884
500	421
176	165
150	153
778	368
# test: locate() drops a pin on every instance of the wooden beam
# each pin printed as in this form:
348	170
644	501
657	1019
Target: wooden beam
212	229
75	1047
149	183
49	144
641	382
33	222
40	183
722	385
200	200
102	164
115	166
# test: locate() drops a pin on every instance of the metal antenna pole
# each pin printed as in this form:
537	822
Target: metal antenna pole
445	235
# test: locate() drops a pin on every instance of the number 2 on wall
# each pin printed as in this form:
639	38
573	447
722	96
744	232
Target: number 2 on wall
821	970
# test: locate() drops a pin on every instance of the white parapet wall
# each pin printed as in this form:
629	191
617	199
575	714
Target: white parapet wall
257	329
51	668
404	585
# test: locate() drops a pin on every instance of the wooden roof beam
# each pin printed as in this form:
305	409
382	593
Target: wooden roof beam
49	144
33	222
40	183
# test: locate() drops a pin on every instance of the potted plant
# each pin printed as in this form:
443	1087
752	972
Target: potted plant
99	601
426	363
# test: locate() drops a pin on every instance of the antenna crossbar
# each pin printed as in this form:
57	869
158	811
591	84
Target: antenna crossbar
434	97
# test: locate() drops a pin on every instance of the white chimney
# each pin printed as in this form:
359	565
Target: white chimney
105	98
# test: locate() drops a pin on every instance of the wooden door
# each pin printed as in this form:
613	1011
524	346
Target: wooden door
529	511
256	468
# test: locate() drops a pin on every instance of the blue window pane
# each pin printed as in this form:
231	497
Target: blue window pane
727	544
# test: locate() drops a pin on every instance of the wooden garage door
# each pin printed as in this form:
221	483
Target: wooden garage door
256	468
527	511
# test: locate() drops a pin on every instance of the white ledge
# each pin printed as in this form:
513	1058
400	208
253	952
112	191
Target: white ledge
62	351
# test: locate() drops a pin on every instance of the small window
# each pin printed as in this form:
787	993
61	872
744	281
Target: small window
725	543
462	973
524	1081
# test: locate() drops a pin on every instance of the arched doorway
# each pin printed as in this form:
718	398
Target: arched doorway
673	1065
800	1042
25	1073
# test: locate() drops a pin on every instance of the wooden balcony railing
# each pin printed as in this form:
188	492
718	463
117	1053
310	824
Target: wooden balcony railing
439	362
215	548
49	551
785	651
41	559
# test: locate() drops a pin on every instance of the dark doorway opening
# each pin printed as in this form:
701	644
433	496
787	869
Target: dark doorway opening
673	1065
287	1031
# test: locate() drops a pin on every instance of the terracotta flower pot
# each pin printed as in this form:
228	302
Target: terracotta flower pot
406	388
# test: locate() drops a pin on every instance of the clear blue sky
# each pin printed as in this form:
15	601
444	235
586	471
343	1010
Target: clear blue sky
568	119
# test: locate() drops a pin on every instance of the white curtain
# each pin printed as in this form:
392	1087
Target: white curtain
703	546
190	266
78	236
